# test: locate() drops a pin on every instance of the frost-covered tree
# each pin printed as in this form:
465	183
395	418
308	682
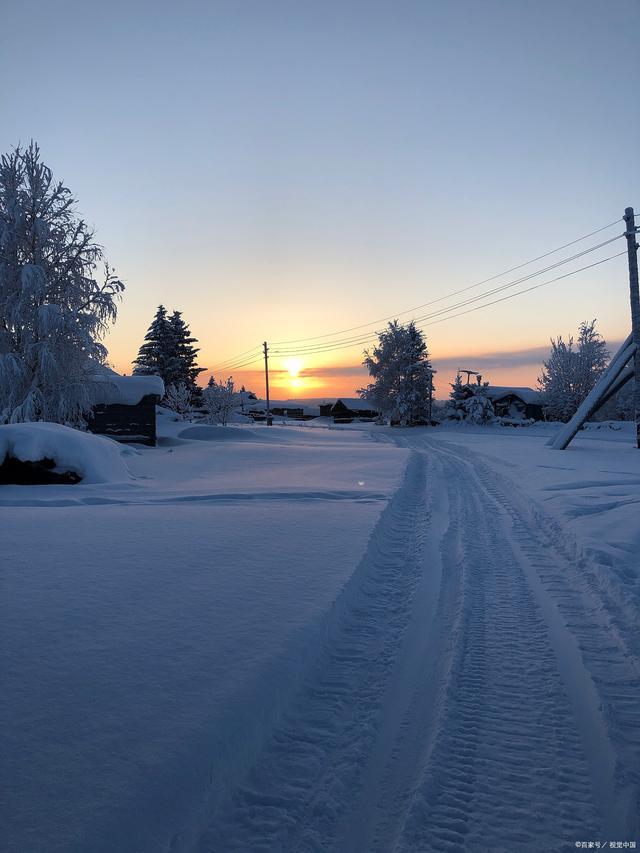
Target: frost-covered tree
401	371
53	310
219	400
168	351
572	370
178	399
469	402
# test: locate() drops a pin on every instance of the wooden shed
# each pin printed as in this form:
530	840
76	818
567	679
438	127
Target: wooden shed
125	407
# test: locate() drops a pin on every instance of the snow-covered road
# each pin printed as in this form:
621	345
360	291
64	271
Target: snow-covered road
473	692
356	640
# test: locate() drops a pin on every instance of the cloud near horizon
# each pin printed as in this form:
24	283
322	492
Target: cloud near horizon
530	357
488	361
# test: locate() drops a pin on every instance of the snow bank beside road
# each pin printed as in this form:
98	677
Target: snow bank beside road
94	458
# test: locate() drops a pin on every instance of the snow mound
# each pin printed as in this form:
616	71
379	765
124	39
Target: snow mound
94	458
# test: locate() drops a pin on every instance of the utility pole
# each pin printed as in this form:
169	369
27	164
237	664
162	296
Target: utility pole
266	382
632	255
431	372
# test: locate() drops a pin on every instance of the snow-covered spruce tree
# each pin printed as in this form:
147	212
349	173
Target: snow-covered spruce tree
53	311
168	351
469	402
178	399
219	400
455	408
401	371
571	371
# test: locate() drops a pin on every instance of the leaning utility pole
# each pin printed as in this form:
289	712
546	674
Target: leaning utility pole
632	254
266	382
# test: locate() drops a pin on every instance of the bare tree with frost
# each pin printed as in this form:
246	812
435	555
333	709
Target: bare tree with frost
219	400
53	310
178	399
571	370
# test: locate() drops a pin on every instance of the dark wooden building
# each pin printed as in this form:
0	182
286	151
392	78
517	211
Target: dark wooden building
346	409
125	407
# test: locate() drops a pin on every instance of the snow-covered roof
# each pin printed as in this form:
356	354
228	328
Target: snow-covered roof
527	395
127	390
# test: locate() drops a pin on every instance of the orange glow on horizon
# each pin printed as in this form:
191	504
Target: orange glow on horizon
344	382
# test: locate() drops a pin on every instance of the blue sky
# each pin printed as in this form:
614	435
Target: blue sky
283	169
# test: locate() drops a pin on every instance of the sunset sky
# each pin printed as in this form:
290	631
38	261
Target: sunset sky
282	170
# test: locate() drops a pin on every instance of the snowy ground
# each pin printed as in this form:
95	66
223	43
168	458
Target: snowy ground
307	639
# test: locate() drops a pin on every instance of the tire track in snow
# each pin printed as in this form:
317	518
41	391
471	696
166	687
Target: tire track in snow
311	769
508	770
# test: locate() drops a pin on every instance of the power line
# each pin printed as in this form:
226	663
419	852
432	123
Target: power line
237	366
455	292
529	289
222	365
487	304
238	356
363	338
248	357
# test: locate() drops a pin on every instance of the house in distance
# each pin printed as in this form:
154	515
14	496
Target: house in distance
345	409
515	403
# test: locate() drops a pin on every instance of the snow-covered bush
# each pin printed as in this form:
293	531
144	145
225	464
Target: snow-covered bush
178	399
570	373
402	374
219	400
478	407
53	311
469	402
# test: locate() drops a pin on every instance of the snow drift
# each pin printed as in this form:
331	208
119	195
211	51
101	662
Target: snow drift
94	458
